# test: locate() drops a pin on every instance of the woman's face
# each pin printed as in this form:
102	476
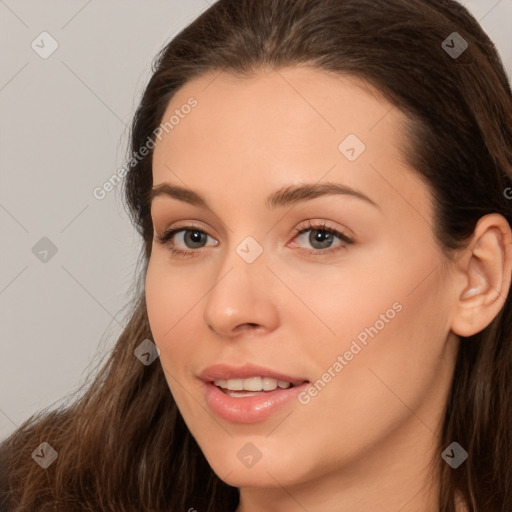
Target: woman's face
310	256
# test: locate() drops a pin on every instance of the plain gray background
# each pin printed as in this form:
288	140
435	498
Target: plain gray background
64	126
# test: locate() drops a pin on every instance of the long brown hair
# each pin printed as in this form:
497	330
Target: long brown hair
123	445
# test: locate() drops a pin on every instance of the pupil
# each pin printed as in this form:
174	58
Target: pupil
195	237
320	237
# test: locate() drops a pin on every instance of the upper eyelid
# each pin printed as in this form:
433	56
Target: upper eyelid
168	236
310	226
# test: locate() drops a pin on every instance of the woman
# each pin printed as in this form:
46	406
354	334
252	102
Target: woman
322	187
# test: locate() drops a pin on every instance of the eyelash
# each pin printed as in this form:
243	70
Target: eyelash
169	234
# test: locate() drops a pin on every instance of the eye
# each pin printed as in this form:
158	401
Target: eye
322	238
190	236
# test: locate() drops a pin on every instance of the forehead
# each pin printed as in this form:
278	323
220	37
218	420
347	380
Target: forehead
282	127
289	103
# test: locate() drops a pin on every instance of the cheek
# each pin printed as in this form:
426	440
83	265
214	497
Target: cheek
391	344
340	304
388	313
171	297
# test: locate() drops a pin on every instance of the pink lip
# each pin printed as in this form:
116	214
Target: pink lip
249	409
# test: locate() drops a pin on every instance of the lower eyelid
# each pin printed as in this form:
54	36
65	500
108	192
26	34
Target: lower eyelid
166	237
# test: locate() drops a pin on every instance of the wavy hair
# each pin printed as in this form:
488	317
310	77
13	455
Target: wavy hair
123	445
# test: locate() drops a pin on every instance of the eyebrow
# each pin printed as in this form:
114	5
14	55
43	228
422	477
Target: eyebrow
286	196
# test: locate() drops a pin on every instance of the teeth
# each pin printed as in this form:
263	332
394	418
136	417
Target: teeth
269	384
252	384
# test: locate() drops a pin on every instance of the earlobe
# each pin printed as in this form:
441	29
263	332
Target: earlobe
486	269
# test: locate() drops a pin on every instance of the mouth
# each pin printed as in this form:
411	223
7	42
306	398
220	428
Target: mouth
249	394
252	386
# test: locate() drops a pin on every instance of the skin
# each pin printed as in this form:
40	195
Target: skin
366	440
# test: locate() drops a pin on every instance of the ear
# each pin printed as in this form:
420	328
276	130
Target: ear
485	267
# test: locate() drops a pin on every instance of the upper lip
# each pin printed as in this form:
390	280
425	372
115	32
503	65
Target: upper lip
227	371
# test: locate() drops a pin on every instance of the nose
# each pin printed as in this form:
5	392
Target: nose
242	299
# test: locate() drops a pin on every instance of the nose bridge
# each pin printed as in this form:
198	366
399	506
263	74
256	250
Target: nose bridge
245	257
241	292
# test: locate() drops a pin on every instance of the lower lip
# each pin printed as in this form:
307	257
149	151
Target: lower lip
250	409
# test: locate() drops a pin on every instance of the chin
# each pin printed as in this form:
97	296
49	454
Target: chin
257	478
271	470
